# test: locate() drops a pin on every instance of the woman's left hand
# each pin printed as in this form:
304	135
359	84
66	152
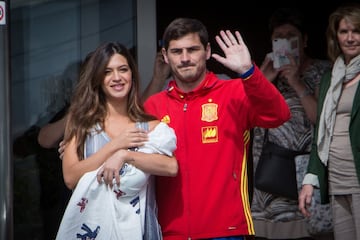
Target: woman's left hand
290	72
110	170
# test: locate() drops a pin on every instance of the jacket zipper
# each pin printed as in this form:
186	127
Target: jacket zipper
185	107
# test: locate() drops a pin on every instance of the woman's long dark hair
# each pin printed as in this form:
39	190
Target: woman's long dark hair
88	104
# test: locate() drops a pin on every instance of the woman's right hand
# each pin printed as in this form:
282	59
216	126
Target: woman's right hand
111	168
268	69
305	197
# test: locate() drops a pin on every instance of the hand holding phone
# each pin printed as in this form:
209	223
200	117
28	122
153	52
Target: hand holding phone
281	47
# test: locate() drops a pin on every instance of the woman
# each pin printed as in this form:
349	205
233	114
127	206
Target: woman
112	146
277	217
334	164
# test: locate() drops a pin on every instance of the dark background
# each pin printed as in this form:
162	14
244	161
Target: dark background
251	19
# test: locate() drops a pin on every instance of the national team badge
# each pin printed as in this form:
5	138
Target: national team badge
209	112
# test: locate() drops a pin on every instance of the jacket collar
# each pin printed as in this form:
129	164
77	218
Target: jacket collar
208	83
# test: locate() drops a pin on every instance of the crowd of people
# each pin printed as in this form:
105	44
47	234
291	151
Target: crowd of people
211	129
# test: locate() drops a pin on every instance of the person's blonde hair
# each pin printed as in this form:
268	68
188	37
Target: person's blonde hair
350	12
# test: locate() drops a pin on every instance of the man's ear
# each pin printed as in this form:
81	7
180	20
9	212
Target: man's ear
163	51
208	51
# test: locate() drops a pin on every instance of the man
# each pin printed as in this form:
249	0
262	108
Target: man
208	199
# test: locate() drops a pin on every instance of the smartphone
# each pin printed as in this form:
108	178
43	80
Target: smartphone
283	46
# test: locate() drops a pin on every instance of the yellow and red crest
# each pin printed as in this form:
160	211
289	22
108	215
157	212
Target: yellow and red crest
209	112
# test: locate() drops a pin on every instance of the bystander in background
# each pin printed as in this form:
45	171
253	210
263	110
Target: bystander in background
278	217
334	165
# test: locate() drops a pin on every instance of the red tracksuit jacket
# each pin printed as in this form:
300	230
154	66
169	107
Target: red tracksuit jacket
209	196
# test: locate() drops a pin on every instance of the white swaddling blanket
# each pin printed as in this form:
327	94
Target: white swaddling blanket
96	211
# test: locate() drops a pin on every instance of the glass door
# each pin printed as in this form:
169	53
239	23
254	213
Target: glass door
49	39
